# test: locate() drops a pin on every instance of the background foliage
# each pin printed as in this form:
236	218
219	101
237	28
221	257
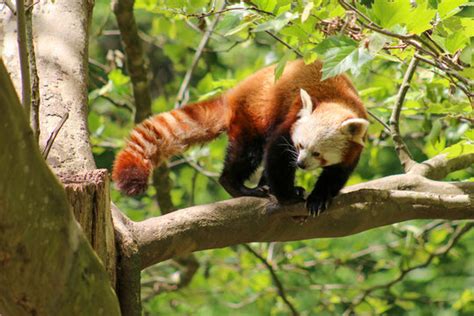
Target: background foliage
412	268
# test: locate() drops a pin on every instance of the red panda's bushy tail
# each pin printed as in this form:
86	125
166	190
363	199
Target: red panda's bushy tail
164	135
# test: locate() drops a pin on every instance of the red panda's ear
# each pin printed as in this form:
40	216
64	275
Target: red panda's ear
356	128
307	108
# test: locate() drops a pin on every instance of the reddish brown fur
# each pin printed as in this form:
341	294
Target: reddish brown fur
255	107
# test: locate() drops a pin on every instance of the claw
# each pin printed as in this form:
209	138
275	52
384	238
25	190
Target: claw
317	204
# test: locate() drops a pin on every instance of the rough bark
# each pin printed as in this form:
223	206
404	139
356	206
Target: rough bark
88	194
60	33
136	65
37	224
361	207
128	265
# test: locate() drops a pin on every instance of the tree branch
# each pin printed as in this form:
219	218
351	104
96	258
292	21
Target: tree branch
248	219
440	166
180	98
136	65
278	39
400	146
442	59
53	135
276	280
24	60
34	87
128	264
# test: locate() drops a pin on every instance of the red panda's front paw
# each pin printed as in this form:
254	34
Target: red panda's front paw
317	203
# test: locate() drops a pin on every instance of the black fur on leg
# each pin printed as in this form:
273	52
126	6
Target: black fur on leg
244	155
330	182
280	168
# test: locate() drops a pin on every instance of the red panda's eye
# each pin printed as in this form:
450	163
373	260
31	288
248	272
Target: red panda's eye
316	154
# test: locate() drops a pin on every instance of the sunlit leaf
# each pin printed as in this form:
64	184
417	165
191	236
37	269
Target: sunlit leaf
341	54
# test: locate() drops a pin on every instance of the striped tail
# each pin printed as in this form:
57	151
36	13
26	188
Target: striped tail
164	135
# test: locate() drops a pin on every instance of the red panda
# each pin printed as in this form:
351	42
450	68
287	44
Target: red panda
296	121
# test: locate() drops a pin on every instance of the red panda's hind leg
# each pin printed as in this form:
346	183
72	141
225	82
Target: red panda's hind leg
244	155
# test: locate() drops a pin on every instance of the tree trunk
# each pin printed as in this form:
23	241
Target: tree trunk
48	266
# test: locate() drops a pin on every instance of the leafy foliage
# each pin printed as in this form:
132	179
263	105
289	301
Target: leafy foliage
323	277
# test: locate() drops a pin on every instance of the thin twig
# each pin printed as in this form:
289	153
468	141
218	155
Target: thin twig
442	59
24	60
10	5
378	119
206	14
197	167
181	97
52	136
124	105
188	266
284	43
276	280
448	76
400	146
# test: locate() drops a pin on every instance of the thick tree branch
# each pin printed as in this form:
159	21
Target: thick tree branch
360	207
128	264
247	219
440	166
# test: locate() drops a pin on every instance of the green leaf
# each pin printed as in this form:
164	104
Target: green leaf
118	78
433	136
307	11
448	8
266	5
238	28
341	54
468	25
456	41
276	24
464	147
376	42
399	12
280	67
390	13
228	23
420	18
466	298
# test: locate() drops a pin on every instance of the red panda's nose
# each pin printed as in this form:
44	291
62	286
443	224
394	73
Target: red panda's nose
301	164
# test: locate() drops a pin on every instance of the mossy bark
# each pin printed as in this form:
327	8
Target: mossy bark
47	265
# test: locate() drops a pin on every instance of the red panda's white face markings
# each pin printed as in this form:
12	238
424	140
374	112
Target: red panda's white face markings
322	137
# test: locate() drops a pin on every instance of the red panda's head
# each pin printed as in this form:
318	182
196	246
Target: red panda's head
326	135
